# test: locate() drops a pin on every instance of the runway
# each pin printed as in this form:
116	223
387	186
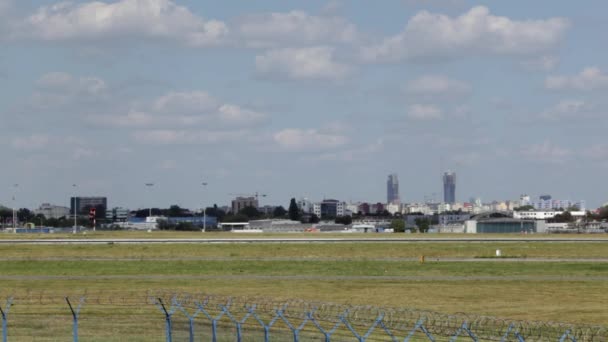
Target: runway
293	240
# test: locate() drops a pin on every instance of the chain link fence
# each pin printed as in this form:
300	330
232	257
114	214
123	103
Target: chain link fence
169	316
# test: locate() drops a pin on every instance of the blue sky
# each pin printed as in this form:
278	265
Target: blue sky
301	98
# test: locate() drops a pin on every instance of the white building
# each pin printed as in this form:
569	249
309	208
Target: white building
50	211
305	205
316	209
543	215
393	208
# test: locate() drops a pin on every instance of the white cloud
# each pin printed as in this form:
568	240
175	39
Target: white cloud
356	154
542	63
185	102
57	89
424	112
429	35
598	152
32	142
434	86
187	137
294	28
179	109
139	19
301	64
588	79
66	83
569	109
299	139
546	152
235	115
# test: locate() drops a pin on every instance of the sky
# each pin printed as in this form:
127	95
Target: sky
317	99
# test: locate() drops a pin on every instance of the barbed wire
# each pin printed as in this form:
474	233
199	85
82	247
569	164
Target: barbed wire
360	317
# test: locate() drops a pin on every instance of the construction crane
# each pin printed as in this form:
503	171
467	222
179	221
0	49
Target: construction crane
256	195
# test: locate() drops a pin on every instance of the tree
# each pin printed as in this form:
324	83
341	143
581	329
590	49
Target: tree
215	212
398	226
250	212
345	220
174	211
294	211
603	213
524	208
565	217
423	225
25	215
314	218
279	212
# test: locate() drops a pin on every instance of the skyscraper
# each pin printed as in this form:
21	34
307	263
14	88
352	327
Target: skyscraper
449	187
392	189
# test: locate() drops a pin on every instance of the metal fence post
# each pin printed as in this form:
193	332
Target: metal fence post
75	314
238	324
264	325
419	325
296	331
567	335
464	327
201	308
168	314
190	318
325	333
4	313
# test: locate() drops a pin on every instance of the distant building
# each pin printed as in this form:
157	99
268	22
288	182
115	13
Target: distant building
84	204
332	208
543	215
392	189
545	202
445	219
117	214
393	208
364	208
449	187
267	209
305	205
50	211
240	203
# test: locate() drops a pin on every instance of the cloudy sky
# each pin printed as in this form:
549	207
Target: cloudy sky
301	98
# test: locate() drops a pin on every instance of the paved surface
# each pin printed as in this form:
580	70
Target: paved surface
297	240
305	277
409	259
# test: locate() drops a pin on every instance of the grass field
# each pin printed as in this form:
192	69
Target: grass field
229	235
381	274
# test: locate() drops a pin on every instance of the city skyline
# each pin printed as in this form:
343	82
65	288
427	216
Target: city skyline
315	99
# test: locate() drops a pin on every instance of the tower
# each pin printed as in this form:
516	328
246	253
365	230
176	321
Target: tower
449	187
392	189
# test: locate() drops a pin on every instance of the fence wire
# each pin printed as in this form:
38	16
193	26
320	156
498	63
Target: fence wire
170	316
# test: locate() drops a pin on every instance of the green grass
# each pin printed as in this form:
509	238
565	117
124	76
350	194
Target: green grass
347	273
229	235
301	268
376	250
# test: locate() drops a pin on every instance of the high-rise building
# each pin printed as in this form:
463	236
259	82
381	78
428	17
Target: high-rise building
243	202
449	187
84	204
392	189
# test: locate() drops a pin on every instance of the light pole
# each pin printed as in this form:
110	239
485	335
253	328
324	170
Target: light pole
150	185
75	209
15	186
204	184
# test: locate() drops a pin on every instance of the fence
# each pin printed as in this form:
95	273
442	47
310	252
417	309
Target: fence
164	316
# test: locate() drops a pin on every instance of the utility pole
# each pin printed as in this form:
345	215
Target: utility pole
15	186
150	185
204	184
75	210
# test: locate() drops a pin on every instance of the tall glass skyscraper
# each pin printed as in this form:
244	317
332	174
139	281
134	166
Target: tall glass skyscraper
392	189
449	187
